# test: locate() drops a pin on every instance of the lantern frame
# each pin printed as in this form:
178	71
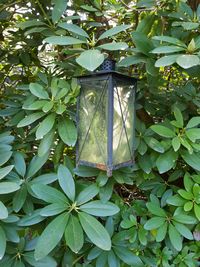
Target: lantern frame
111	76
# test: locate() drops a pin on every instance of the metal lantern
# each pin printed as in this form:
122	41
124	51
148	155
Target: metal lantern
106	119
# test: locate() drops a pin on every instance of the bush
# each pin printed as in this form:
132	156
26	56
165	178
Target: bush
53	213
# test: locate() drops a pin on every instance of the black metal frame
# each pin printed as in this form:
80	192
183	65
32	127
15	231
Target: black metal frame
110	75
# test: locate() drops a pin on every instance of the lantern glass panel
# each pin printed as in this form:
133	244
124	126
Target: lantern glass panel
92	145
123	122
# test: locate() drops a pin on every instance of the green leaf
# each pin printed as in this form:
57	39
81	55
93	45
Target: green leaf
90	59
192	160
19	198
161	232
190	25
30	23
36	105
176	201
184	218
45	126
127	256
183	230
114	46
154	223
163	131
166	61
85	171
188	206
48	194
51	236
175	238
74	234
115	30
185	194
178	117
53	209
66	182
67	131
142	233
5	156
170	40
176	143
143	44
31	219
45	178
3	211
188	61
36	164
30	119
197	211
112	259
8	187
193	134
63	40
195	121
73	28
45	262
46	143
48	106
131	60
2	243
166	161
4	171
155	209
37	90
20	164
97	208
154	144
59	8
87	194
95	231
167	49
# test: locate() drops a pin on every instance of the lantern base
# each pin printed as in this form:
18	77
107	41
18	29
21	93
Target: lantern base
109	170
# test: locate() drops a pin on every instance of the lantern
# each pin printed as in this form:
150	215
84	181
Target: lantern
105	119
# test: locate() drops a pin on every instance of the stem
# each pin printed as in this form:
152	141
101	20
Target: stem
45	14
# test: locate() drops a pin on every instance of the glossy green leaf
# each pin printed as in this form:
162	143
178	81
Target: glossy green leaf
63	40
195	121
166	161
2	243
188	206
154	144
175	237
166	61
53	209
20	164
87	194
51	236
97	208
66	182
114	46
48	194
67	131
188	61
178	117
8	187
156	210
6	170
3	211
35	165
46	143
74	234
167	49
184	218
30	119
183	230
176	200
128	257
90	59
19	198
45	126
59	8
192	160
163	131
37	90
185	194
193	134
170	40
113	31
143	44
95	231
73	28
197	210
154	223
176	143
161	232
45	262
31	219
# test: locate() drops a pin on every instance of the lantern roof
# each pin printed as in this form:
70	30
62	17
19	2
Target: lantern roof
107	73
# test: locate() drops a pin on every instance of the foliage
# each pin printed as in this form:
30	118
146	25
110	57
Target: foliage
54	214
